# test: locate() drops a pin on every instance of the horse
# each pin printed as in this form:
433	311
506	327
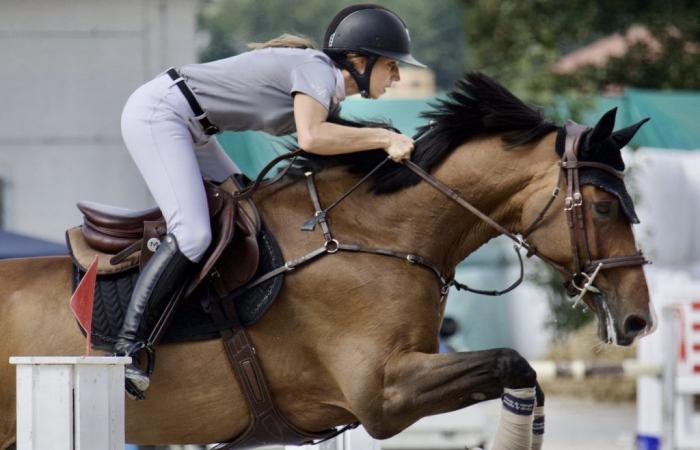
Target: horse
354	336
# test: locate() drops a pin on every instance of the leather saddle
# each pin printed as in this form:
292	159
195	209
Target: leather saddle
123	238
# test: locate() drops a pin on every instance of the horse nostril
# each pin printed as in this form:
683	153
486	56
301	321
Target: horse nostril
634	325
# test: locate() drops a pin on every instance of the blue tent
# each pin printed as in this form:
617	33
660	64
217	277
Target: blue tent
13	245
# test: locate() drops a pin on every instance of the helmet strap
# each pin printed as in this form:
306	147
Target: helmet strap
362	79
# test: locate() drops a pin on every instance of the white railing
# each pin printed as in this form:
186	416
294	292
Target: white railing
70	403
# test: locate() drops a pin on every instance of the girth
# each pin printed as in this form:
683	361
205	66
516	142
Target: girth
267	424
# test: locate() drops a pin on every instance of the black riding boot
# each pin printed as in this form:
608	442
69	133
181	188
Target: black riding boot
167	270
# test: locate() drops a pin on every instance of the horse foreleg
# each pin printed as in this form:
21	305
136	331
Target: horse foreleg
416	385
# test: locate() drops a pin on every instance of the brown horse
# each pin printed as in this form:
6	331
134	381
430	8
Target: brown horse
353	336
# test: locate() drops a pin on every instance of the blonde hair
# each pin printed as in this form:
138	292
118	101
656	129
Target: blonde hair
286	40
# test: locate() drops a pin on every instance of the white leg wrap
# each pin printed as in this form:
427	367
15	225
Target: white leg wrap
537	428
515	427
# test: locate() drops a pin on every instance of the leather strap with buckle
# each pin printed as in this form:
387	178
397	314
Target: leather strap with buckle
199	113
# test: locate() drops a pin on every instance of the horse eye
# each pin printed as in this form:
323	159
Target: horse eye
602	208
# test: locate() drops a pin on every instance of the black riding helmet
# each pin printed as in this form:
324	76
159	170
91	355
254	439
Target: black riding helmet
369	30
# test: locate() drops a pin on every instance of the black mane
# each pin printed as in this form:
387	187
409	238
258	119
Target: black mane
477	106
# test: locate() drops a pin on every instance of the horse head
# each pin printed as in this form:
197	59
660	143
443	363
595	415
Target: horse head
596	230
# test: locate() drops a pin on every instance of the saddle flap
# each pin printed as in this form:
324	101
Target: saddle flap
235	227
246	207
241	260
222	226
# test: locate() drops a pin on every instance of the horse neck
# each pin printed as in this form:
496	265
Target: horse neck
421	220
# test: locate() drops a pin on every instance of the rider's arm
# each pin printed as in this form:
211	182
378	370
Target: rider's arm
316	135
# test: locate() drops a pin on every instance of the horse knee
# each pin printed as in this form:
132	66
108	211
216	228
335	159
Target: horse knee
380	430
389	418
513	370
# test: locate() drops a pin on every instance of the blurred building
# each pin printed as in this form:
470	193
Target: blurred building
68	67
600	51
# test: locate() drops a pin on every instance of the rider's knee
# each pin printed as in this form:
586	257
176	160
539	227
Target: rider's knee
194	242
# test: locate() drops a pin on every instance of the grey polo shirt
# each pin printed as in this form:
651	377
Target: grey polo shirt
254	90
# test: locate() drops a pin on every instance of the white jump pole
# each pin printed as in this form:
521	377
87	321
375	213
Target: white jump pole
70	403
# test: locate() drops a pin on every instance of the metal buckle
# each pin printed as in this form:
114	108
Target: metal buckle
568	204
578	199
211	130
519	244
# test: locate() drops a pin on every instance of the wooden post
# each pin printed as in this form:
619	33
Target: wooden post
70	403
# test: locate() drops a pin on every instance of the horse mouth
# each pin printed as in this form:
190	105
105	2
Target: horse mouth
606	322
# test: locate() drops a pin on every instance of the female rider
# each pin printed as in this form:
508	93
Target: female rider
282	86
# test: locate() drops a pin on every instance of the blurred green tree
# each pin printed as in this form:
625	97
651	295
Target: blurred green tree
437	28
519	42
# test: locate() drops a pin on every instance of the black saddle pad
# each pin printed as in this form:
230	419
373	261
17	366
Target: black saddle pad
191	322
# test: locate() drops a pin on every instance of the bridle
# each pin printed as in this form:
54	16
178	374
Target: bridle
585	268
577	282
580	280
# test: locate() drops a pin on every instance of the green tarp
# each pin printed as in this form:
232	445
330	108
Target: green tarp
675	122
675	117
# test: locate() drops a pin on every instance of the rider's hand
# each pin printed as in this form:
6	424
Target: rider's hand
400	146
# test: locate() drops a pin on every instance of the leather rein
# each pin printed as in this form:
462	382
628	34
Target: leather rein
577	282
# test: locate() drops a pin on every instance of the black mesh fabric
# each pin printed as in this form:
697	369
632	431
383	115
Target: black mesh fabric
612	185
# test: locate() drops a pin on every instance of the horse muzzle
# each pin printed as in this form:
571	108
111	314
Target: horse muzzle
614	328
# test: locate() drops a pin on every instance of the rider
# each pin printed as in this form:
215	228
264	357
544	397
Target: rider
282	86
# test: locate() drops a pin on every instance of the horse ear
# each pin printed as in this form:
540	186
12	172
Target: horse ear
603	129
623	136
